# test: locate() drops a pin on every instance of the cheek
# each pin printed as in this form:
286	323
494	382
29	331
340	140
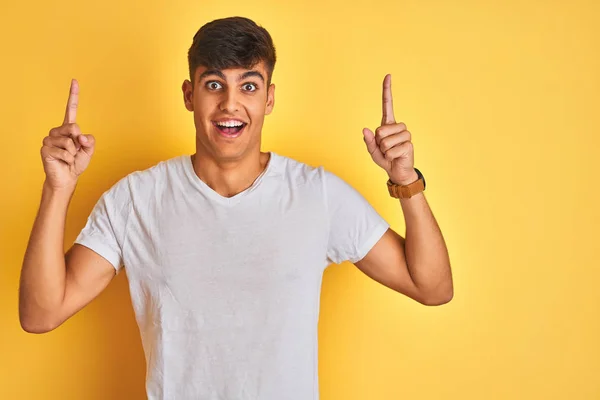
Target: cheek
256	109
203	110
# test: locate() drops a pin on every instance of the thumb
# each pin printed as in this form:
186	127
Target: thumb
373	148
87	140
369	139
87	145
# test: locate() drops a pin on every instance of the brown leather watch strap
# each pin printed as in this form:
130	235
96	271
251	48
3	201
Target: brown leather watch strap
406	191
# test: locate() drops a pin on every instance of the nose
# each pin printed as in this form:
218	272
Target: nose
229	101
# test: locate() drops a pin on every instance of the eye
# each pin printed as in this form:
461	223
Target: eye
213	85
249	87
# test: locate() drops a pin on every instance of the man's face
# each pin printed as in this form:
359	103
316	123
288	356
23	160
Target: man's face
229	109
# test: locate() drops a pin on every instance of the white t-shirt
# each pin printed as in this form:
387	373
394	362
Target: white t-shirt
226	291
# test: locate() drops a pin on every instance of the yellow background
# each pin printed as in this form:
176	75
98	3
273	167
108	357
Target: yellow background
502	101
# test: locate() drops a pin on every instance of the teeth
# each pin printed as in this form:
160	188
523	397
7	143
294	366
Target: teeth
230	124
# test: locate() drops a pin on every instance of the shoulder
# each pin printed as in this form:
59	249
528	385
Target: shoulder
148	179
299	173
161	170
158	176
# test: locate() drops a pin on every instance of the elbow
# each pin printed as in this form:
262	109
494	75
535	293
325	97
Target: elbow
443	293
437	301
36	324
439	298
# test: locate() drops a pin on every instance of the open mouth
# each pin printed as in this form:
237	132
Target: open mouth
230	129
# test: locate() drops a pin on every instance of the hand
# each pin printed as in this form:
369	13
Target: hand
66	153
390	146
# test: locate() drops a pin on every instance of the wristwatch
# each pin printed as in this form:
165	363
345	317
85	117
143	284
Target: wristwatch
407	191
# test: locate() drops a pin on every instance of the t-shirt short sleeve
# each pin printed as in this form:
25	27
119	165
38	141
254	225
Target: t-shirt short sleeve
354	225
104	231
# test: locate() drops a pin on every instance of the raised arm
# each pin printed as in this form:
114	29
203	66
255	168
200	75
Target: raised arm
53	285
418	266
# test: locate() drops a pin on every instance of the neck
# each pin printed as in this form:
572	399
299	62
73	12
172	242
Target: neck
229	177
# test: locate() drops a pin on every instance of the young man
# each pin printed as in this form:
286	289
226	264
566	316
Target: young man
225	249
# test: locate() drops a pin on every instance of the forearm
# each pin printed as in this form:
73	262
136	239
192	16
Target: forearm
425	250
43	273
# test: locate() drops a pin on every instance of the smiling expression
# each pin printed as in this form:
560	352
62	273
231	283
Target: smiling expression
229	108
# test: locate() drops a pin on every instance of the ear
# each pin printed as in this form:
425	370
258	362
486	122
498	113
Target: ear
270	99
188	95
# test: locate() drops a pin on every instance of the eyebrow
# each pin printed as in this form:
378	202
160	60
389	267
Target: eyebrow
245	75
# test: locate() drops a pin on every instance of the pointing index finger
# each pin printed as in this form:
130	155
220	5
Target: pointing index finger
388	104
71	111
